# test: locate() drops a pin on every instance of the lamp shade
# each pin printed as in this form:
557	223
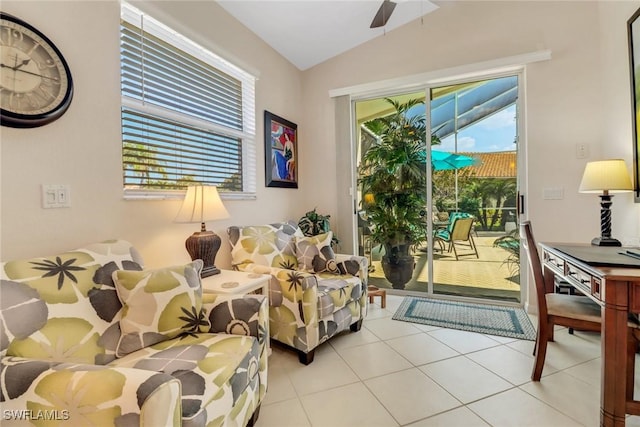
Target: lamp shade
606	175
201	203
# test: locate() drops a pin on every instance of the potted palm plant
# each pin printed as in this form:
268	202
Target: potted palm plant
393	184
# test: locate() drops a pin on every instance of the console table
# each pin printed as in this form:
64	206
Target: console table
613	281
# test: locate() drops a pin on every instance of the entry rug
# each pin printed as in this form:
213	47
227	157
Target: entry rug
499	320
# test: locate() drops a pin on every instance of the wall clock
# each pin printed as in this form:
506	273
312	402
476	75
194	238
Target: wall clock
35	81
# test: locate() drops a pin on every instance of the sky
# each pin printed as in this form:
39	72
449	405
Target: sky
495	133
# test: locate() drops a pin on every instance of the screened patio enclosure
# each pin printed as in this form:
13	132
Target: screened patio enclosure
454	110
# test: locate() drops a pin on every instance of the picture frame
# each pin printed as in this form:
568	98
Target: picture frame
633	31
280	151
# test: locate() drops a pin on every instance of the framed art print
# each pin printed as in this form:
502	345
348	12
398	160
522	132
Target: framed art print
280	152
633	30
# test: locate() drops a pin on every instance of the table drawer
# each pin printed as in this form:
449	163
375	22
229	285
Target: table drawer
556	263
583	281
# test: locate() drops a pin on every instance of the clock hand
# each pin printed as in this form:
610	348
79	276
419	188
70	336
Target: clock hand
16	66
24	62
28	72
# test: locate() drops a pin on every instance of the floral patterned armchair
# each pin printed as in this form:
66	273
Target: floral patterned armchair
90	338
314	294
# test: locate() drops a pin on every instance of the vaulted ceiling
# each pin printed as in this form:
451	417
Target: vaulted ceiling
308	32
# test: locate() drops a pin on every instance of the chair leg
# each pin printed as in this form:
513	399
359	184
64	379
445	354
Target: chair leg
355	327
306	358
254	418
540	350
454	250
473	245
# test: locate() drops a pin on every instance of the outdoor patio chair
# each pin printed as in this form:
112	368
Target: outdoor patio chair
458	232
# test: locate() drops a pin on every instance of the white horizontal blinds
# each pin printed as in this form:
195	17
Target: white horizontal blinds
188	116
153	158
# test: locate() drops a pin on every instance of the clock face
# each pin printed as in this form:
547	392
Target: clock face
35	81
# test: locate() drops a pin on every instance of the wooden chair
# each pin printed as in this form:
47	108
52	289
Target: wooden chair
572	311
459	232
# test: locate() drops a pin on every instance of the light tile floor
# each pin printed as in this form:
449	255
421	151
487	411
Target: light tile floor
393	373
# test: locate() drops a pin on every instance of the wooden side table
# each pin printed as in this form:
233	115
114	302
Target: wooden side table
230	282
374	291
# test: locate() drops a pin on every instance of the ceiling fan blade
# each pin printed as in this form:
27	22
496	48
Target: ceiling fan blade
383	14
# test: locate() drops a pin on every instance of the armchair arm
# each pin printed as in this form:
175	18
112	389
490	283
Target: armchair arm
241	315
237	314
293	301
362	263
87	394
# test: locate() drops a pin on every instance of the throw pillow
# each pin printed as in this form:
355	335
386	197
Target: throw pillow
272	245
159	305
315	254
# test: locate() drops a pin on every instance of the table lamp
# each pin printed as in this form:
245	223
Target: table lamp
605	176
202	203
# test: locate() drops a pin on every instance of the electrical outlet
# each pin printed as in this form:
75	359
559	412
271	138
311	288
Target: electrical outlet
55	196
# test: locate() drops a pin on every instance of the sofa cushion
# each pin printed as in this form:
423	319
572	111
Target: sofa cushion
214	369
159	305
337	291
87	395
315	255
272	245
64	307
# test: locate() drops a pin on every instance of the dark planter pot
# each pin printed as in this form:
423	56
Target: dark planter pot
398	266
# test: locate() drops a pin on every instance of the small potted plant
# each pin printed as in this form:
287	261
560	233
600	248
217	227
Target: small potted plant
313	223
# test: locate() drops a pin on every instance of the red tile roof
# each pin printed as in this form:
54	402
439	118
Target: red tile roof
494	165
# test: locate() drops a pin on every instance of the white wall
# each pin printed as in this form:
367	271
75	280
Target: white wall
617	115
83	148
579	96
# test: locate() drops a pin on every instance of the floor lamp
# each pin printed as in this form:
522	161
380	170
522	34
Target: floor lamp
202	203
606	176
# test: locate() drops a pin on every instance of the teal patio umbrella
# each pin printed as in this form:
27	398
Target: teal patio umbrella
445	161
442	160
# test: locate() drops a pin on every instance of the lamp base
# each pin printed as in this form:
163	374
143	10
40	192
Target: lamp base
605	241
209	271
204	245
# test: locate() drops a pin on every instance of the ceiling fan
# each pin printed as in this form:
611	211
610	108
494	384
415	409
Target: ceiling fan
383	14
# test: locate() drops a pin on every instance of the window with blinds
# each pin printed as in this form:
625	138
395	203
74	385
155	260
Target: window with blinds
188	116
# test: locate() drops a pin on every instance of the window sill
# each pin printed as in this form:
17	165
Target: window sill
179	195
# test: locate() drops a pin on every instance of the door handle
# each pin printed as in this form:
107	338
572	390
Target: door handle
520	204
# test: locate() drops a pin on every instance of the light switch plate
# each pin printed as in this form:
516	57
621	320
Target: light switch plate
582	151
556	193
55	196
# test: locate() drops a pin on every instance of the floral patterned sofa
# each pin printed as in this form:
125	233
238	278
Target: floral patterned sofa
313	294
90	338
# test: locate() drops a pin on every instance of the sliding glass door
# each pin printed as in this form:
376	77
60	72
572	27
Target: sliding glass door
437	185
474	186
